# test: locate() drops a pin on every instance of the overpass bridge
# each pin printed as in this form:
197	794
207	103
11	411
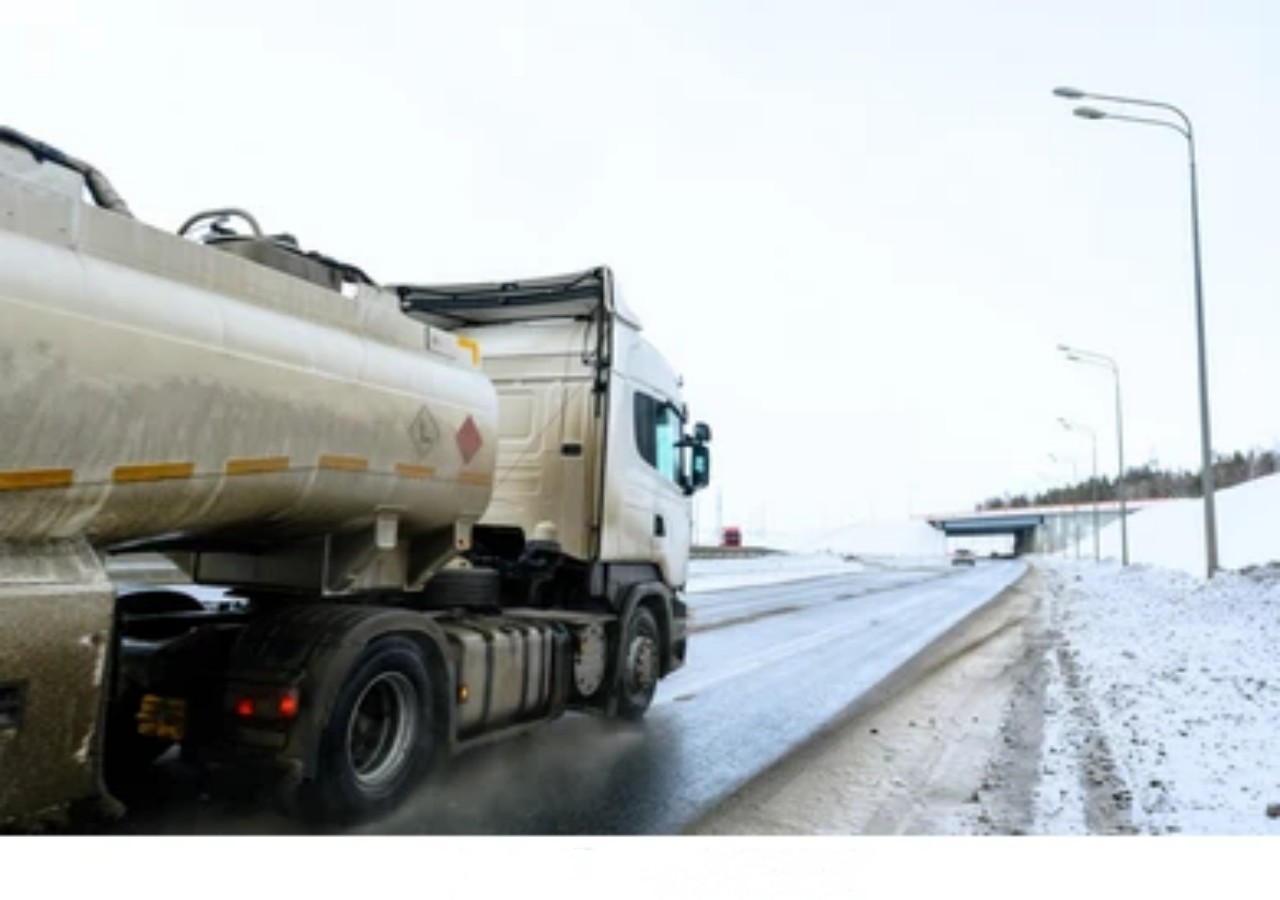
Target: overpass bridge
1038	529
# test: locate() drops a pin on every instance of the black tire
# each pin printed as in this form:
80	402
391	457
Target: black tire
640	664
378	742
469	588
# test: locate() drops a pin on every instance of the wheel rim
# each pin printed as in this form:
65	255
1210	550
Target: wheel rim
642	665
381	730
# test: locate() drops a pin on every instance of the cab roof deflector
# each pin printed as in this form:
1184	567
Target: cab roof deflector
581	295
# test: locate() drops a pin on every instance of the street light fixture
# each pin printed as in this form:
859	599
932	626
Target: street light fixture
1088	357
1093	437
1075	480
1184	129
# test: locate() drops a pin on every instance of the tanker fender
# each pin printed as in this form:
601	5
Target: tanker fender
314	649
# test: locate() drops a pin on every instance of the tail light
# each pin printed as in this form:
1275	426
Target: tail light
281	704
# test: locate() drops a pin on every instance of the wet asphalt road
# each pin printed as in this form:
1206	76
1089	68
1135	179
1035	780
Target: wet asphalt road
768	668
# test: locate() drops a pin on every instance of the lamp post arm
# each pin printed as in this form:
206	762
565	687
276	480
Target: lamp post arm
1140	120
1075	354
1153	104
1101	362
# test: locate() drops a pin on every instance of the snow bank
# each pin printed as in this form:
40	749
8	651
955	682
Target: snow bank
1184	676
1172	534
905	538
774	568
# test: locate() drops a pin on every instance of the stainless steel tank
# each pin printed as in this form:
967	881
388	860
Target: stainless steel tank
152	386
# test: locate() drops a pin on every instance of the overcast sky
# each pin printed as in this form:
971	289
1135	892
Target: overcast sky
859	229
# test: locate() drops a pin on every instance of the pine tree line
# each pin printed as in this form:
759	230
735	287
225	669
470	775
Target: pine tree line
1148	482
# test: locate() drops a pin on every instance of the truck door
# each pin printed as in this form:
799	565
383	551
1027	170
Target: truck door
658	434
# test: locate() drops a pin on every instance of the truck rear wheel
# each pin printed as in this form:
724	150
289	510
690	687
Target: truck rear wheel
639	676
378	741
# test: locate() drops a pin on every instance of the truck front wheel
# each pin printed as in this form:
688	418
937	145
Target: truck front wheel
378	741
641	642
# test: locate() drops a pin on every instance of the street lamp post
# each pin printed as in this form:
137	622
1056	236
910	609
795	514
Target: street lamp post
1185	129
1075	517
1093	438
1051	548
1097	359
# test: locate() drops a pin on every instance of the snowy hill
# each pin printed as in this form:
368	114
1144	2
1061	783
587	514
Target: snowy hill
893	538
1171	535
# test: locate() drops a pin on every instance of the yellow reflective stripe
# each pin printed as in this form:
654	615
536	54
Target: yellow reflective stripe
343	463
257	465
411	470
132	473
165	471
473	345
22	479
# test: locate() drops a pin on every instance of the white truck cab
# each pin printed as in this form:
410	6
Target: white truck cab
595	449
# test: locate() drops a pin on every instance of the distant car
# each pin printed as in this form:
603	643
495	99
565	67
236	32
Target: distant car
962	557
731	536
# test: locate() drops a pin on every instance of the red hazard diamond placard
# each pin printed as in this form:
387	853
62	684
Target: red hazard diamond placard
469	440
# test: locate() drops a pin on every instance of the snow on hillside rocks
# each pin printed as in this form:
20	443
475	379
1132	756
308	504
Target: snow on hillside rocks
1184	678
1171	535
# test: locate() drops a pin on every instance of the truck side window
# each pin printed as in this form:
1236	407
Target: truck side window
657	432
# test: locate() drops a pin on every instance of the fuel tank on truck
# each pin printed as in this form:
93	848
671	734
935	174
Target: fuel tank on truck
154	387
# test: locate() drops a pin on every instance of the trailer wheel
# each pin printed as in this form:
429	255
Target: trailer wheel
638	678
378	741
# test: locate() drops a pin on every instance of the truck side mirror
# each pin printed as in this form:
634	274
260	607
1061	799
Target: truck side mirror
701	468
702	432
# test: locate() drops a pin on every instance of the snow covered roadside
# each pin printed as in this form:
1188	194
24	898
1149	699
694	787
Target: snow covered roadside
1163	694
774	568
1092	700
1171	534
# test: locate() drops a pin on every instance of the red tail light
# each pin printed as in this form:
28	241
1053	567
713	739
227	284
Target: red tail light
268	705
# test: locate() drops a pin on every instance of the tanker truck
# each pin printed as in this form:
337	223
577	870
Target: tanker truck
428	516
